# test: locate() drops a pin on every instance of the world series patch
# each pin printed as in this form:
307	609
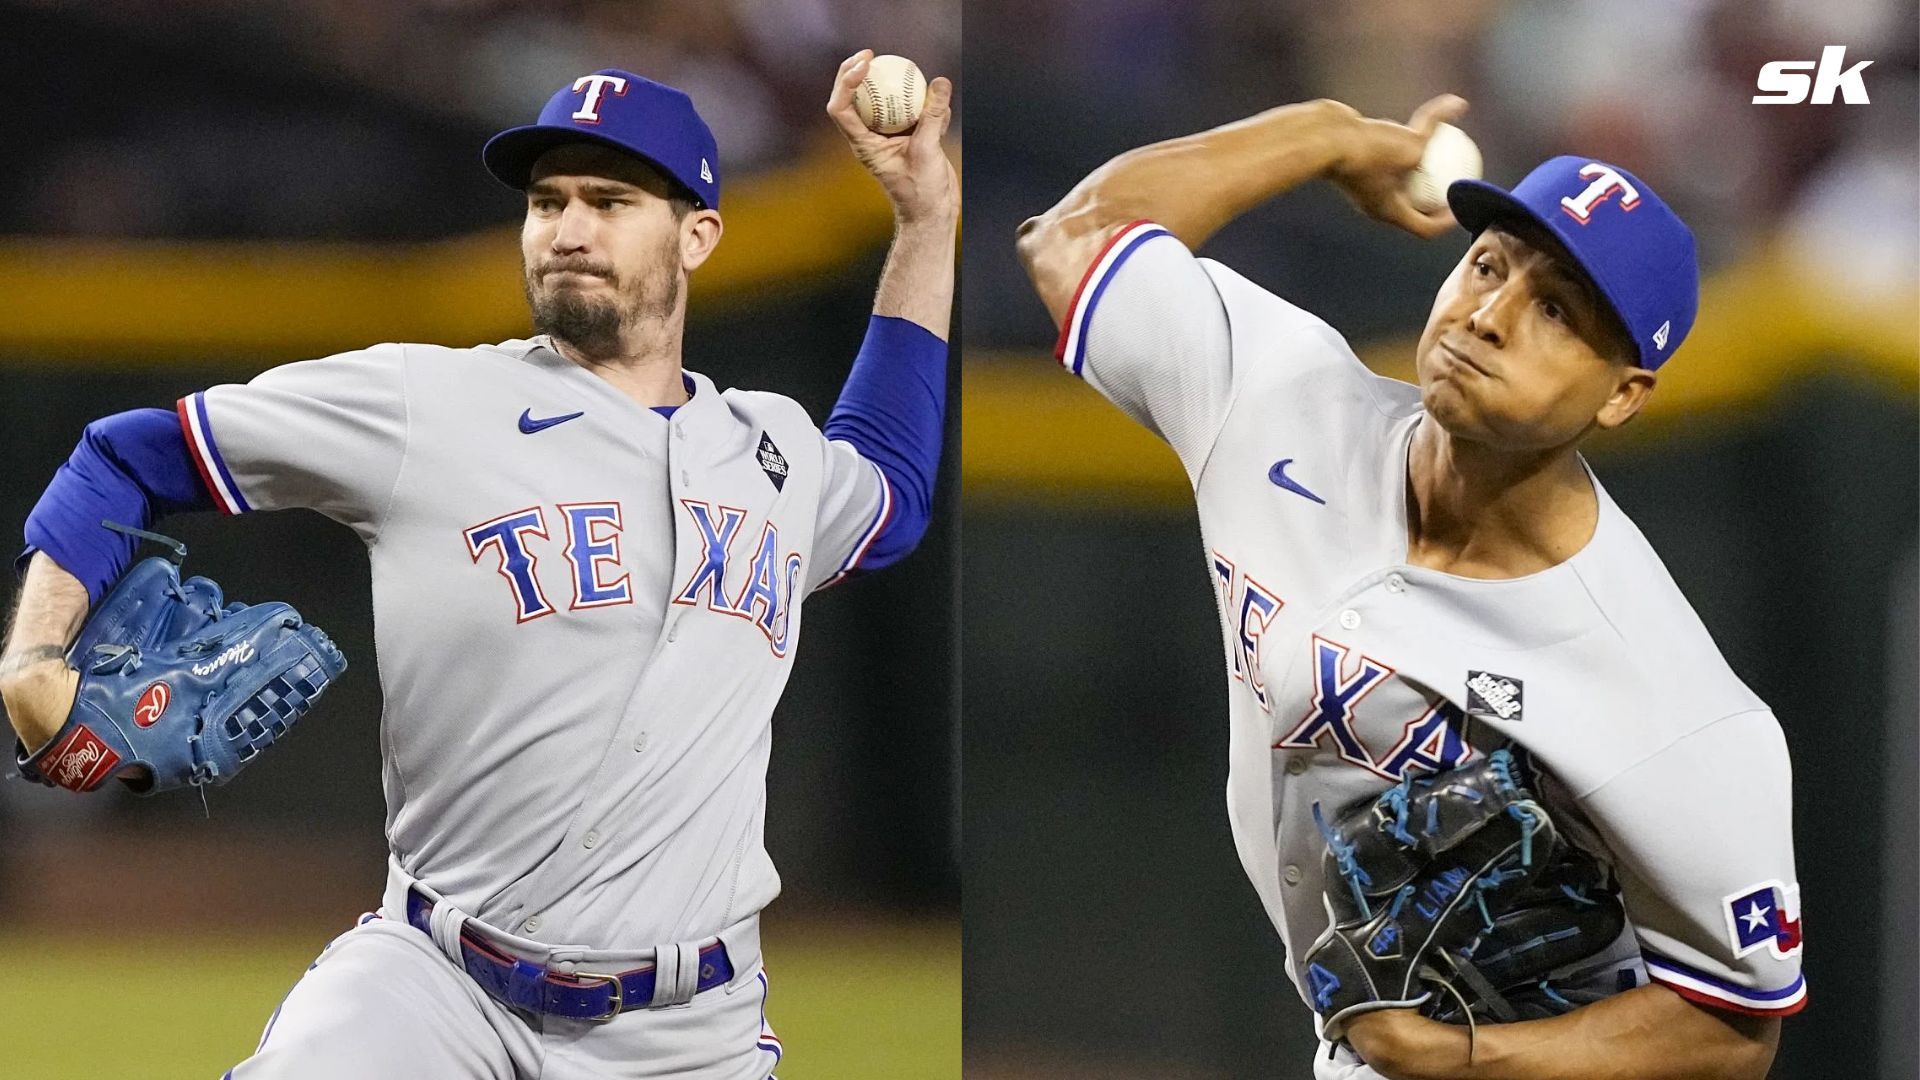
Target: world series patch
1493	695
771	462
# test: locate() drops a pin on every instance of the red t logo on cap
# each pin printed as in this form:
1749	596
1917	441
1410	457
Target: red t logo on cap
596	85
1605	182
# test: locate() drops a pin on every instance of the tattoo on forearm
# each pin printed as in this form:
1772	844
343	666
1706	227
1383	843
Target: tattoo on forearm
30	656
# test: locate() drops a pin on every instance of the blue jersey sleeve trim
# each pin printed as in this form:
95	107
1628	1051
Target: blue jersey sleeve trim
1697	985
198	431
1071	349
892	410
131	468
881	517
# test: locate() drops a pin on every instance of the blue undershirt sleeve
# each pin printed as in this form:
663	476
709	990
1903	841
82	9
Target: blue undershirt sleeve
891	410
131	468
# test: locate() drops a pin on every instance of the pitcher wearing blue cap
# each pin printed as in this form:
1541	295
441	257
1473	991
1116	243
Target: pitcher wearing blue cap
616	553
1509	809
589	570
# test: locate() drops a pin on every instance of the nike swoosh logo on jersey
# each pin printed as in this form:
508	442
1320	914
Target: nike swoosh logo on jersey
1278	474
528	425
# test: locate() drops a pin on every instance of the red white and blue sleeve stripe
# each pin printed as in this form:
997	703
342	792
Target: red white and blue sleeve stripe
881	517
1071	348
1703	988
192	410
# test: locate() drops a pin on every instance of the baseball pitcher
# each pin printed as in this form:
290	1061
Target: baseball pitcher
1511	813
589	568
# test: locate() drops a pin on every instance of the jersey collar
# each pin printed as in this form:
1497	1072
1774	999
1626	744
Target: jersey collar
705	417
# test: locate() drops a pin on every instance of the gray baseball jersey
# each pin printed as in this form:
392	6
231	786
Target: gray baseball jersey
584	613
1348	668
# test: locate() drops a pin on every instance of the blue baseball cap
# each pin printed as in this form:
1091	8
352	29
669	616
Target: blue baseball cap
649	120
1631	244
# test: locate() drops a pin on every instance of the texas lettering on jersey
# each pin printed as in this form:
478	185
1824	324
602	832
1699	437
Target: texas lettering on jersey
1349	669
765	597
1431	741
590	542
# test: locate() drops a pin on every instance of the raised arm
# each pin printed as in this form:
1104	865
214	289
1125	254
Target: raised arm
884	435
918	177
1193	185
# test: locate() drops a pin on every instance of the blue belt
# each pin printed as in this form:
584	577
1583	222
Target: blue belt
581	995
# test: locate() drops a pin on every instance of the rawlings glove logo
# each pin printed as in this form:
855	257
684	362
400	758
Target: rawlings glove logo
271	667
238	654
81	761
153	703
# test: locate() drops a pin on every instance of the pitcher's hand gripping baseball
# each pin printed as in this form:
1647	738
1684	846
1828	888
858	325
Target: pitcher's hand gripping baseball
1378	156
912	167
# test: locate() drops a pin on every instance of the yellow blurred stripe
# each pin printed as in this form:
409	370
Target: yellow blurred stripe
161	300
1031	431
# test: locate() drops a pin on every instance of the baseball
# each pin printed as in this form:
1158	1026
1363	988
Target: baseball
889	98
1450	155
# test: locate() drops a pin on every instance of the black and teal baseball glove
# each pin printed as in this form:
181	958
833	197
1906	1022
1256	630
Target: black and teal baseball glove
1454	893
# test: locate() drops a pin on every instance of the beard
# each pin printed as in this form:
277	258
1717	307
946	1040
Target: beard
595	323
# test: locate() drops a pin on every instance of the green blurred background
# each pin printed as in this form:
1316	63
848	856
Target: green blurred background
196	191
864	998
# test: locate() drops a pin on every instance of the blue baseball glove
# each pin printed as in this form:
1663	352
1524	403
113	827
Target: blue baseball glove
172	680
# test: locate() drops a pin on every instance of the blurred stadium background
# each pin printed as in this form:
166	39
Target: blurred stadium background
196	190
1110	930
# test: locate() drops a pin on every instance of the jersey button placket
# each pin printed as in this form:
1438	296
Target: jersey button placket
590	840
1349	620
1396	583
1291	875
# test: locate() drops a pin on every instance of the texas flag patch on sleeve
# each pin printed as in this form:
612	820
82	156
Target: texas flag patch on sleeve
1765	916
